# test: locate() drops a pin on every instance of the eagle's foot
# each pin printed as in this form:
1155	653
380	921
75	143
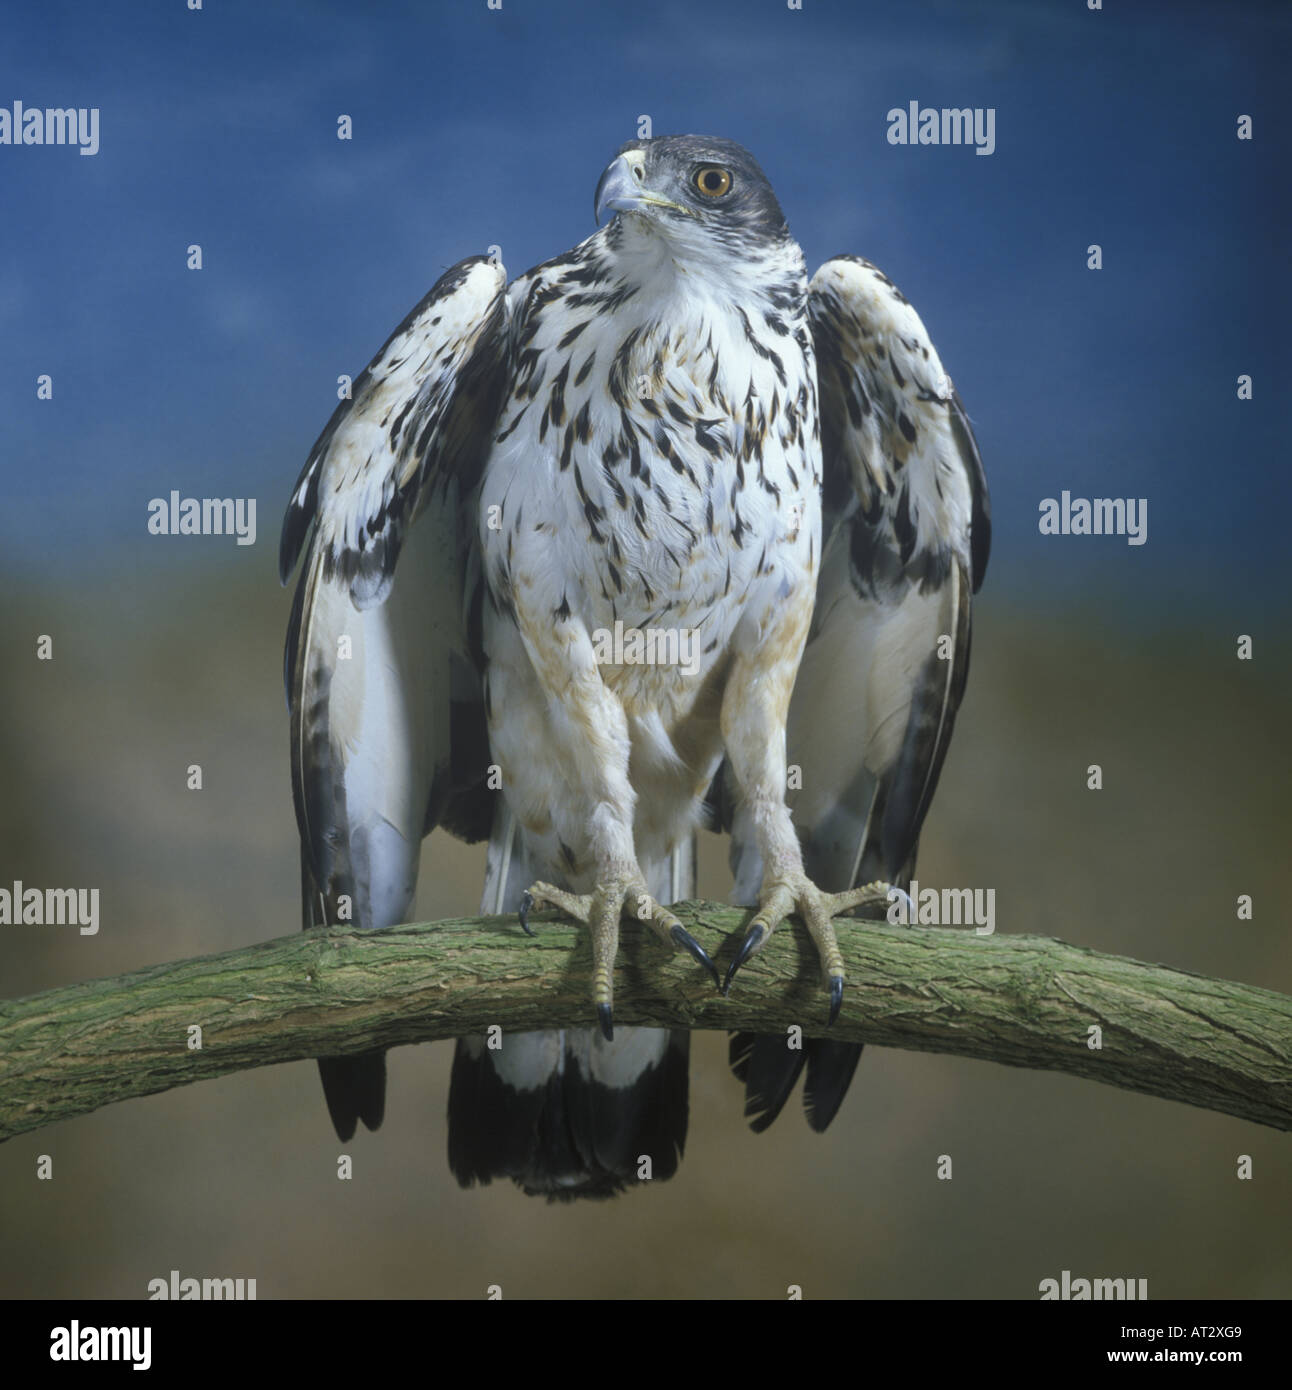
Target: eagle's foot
601	910
795	892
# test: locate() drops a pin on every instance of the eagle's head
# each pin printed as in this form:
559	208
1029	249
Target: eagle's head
697	197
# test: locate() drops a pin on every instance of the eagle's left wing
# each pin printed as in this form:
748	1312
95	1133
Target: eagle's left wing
905	539
381	682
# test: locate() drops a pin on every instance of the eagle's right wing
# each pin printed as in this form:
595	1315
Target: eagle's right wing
382	681
905	541
905	538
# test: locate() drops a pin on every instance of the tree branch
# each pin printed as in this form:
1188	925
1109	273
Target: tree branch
1024	1001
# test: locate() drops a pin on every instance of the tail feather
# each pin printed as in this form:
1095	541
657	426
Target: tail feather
566	1114
546	1122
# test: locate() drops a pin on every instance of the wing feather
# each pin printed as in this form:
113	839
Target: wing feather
905	543
909	531
410	427
379	665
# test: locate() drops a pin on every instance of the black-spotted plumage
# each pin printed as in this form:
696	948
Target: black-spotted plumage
906	536
637	434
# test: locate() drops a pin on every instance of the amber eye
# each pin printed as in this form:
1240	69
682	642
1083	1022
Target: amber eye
712	181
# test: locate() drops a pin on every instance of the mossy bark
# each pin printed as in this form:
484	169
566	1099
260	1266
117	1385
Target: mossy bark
1023	1001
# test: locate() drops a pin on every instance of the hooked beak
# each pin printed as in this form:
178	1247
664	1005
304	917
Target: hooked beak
618	190
621	190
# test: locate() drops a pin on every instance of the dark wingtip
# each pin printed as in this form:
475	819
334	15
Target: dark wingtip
355	1089
606	1018
830	1068
289	546
298	517
753	939
769	1071
684	938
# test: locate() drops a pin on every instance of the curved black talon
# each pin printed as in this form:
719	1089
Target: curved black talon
526	907
753	939
836	996
606	1021
684	938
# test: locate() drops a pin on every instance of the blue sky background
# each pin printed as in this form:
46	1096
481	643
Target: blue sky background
474	127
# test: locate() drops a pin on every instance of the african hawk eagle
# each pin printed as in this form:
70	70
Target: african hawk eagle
668	427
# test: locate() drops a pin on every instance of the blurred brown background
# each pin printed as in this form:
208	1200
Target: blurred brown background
152	672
